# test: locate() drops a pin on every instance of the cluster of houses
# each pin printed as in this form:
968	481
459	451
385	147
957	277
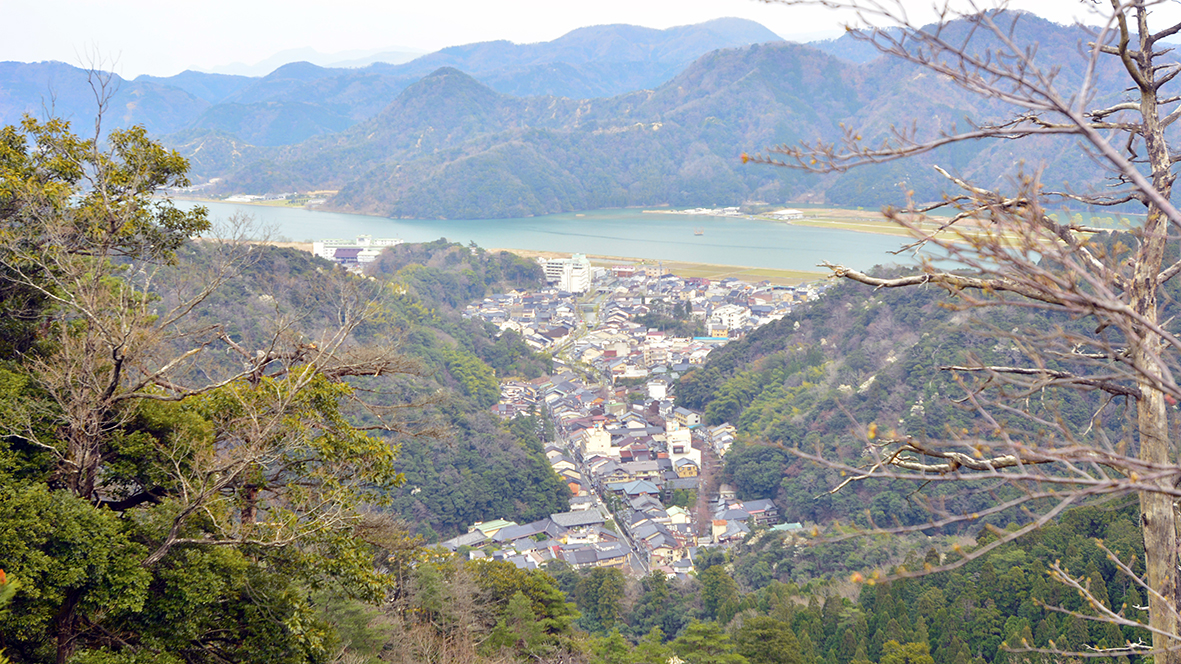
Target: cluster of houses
634	457
635	462
544	319
732	518
619	346
583	537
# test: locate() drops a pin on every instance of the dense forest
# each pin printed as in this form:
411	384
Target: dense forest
472	468
1001	607
205	443
816	380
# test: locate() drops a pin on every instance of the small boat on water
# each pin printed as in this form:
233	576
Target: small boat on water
699	231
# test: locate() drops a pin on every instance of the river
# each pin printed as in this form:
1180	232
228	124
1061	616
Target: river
628	233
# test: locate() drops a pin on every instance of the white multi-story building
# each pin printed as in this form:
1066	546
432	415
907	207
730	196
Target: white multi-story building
730	315
368	247
570	274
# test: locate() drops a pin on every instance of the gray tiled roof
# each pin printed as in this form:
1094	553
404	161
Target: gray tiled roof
581	518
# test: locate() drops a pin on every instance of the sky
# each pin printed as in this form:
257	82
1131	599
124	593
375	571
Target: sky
133	37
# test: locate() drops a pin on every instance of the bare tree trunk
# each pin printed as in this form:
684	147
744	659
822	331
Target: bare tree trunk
1157	513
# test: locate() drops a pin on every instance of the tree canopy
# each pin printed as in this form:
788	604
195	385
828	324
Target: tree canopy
171	491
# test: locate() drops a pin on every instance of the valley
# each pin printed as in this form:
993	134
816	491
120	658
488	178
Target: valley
606	347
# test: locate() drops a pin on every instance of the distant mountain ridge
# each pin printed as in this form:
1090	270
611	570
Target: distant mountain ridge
356	58
451	147
299	100
452	143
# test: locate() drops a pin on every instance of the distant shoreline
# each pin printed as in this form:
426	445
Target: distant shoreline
834	218
682	269
686	269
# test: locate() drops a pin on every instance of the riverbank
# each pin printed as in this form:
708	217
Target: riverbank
679	268
687	269
746	248
858	221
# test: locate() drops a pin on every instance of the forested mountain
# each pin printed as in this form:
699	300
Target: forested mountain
479	469
300	100
56	89
606	116
819	378
450	147
474	468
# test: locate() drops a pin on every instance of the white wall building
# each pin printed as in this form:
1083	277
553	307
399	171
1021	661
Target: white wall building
730	315
597	441
680	443
370	247
787	214
570	274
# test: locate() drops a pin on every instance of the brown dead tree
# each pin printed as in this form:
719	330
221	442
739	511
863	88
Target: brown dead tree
1014	251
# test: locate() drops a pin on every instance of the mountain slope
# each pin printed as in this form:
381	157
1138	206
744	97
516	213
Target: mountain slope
451	147
212	88
277	109
443	146
64	91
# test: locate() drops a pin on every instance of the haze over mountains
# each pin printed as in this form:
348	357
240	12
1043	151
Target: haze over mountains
364	58
605	116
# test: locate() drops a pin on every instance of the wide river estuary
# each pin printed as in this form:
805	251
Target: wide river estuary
627	233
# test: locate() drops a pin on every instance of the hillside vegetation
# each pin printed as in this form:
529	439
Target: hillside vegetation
300	100
470	468
451	147
609	116
818	379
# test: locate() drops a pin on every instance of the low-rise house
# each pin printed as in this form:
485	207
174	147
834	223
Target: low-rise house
589	517
582	502
490	528
762	511
728	532
634	488
686	417
471	538
686	468
583	556
545	528
561	463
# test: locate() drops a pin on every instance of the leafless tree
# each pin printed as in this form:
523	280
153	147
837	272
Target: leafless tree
1014	251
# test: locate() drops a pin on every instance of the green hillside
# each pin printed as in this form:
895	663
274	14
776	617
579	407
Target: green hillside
817	380
450	147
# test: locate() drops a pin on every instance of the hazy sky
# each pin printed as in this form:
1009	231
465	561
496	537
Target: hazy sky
164	38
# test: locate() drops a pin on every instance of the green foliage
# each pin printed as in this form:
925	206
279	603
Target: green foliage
158	501
910	653
816	379
548	606
485	470
719	593
476	379
706	643
663	607
765	640
65	550
600	595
